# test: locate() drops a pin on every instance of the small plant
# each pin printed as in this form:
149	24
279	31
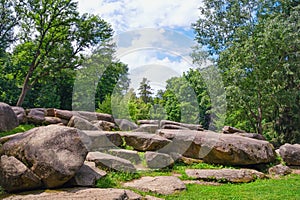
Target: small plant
19	129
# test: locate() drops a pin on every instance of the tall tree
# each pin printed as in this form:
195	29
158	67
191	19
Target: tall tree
145	90
54	35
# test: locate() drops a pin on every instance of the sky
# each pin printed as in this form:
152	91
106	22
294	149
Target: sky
154	37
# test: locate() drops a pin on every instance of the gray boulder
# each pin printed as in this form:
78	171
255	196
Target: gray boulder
36	115
21	114
141	122
225	175
280	170
8	118
160	184
87	175
15	176
218	148
52	120
105	126
100	140
130	155
144	141
107	161
147	128
126	125
53	153
167	124
230	130
290	153
81	124
156	160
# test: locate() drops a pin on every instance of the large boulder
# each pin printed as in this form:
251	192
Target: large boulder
290	154
144	142
107	161
100	140
160	184
130	155
225	175
82	124
126	125
167	124
21	114
52	153
8	118
219	148
78	194
156	160
36	115
280	170
147	128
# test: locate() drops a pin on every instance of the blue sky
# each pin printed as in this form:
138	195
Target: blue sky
153	36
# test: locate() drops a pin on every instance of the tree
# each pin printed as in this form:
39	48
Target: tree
145	91
257	43
52	36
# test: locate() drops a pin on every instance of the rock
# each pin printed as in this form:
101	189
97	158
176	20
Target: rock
158	160
52	120
105	117
89	116
172	126
126	125
225	175
202	182
144	141
252	135
15	176
290	154
147	128
168	125
63	114
130	155
160	184
78	194
100	140
87	175
21	114
53	153
229	130
104	125
8	119
81	124
36	115
280	170
218	148
141	122
50	112
107	161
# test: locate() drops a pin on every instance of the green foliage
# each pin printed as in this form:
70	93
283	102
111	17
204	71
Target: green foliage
19	129
114	179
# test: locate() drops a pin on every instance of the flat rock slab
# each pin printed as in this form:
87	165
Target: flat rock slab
160	184
197	182
78	193
225	175
144	141
130	155
110	162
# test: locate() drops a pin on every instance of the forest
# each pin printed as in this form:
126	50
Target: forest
253	44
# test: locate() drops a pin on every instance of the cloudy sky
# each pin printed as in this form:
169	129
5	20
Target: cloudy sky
153	36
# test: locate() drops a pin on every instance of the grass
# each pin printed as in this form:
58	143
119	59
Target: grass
20	128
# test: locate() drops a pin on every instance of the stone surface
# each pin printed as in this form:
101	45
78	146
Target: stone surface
155	122
53	153
126	125
230	130
36	115
198	182
290	154
156	160
82	124
107	161
159	184
251	135
105	117
147	128
21	114
130	155
100	140
52	120
63	114
15	176
280	170
87	175
172	126
8	118
144	142
105	126
78	194
225	175
148	197
177	125
218	148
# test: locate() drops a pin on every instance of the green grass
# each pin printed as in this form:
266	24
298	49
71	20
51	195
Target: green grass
20	128
286	188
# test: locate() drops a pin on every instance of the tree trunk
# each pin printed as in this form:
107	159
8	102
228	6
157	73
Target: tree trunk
25	89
